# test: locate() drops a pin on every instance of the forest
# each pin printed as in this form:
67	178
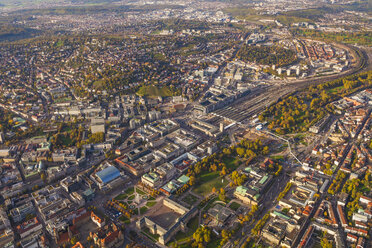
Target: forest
299	111
361	38
265	55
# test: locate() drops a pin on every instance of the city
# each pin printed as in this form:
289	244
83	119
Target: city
185	123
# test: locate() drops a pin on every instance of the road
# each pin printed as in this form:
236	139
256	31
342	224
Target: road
324	195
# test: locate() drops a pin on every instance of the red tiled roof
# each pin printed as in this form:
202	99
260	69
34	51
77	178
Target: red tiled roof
78	245
110	237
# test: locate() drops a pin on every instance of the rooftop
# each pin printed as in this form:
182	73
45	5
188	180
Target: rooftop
108	174
165	217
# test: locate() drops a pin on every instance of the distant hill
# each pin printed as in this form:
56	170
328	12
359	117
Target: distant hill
32	3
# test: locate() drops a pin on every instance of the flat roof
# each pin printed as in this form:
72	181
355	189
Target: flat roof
183	179
165	217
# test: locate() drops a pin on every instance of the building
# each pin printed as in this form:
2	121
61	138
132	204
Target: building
351	238
2	138
6	232
208	147
51	203
65	155
247	195
163	127
77	198
318	127
97	220
360	243
29	227
177	219
168	151
301	196
151	179
360	217
108	176
19	213
205	128
78	245
184	161
174	185
100	128
97	125
220	214
274	231
217	98
341	216
4	153
140	165
183	138
166	171
69	185
108	236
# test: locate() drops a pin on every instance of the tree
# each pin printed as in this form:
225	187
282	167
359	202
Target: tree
222	195
42	176
240	151
201	236
73	240
192	180
325	243
176	245
265	150
223	171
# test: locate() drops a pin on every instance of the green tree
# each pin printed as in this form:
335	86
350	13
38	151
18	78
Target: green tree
222	195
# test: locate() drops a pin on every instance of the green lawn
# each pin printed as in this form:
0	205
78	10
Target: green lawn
140	192
121	197
211	203
66	140
143	210
131	197
186	245
150	203
192	225
147	232
129	191
154	91
124	219
215	241
277	157
231	162
335	90
207	181
62	99
190	199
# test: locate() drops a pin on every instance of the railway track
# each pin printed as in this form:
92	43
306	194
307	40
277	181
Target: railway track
261	98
